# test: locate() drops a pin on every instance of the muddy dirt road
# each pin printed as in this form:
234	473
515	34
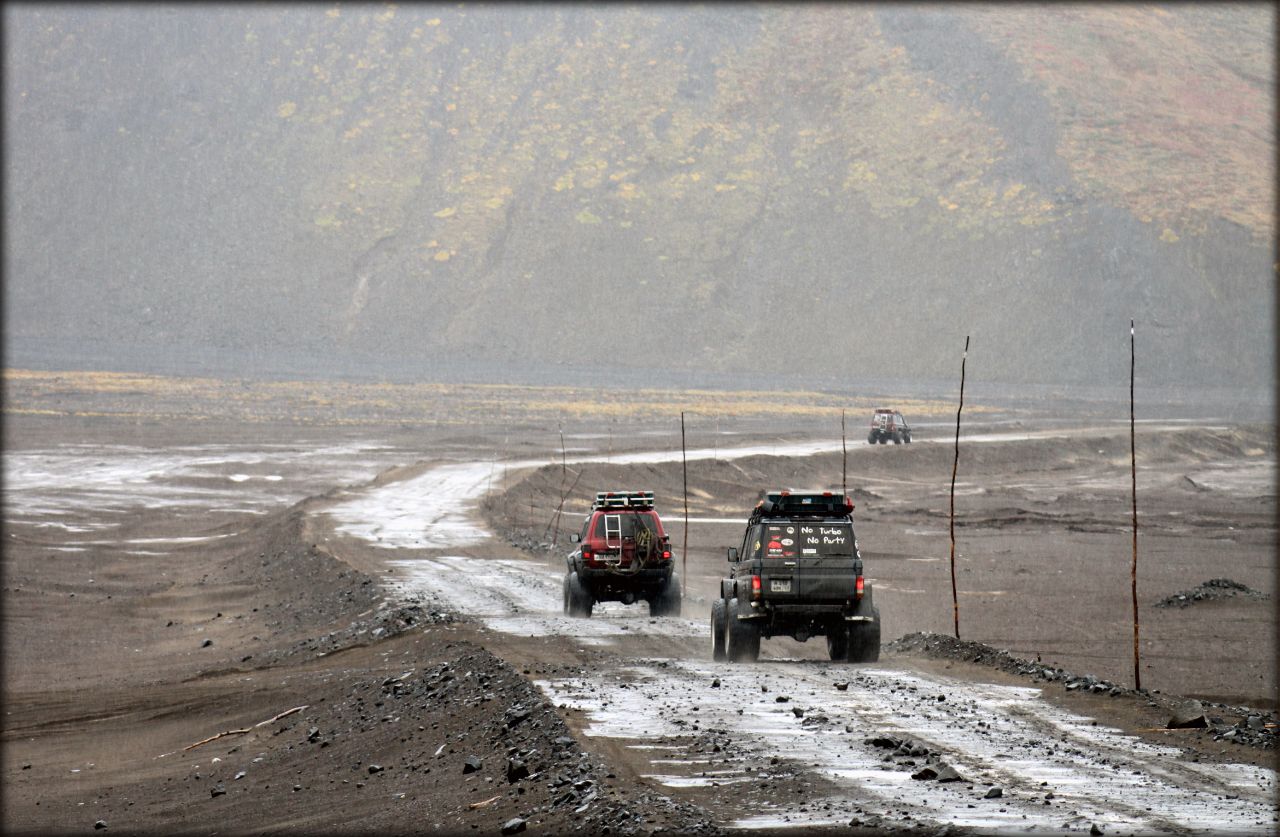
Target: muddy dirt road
401	590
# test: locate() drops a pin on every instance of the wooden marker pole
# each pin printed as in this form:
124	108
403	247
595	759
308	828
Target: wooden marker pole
1133	474
955	599
844	459
684	558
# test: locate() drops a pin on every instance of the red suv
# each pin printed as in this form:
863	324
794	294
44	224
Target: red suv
623	555
889	425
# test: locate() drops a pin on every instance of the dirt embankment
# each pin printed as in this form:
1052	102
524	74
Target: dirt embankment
407	722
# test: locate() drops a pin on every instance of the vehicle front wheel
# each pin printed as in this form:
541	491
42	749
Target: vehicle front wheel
871	440
717	631
742	638
897	438
579	597
906	437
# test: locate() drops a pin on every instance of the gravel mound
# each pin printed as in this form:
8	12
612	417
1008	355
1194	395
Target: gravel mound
1214	588
1252	729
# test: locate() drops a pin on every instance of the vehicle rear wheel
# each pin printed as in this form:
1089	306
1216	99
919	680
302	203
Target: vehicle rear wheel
838	643
667	601
884	440
717	631
871	440
742	639
579	597
864	639
897	438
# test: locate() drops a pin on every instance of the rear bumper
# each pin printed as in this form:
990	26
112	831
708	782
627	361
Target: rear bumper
605	583
800	612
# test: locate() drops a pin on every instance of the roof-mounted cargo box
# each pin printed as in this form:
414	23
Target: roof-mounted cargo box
786	503
623	500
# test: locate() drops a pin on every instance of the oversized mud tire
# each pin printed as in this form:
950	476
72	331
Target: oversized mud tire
742	638
884	440
838	643
864	639
717	631
578	599
667	601
897	438
871	440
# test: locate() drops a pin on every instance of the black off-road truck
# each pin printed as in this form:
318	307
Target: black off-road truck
798	573
623	555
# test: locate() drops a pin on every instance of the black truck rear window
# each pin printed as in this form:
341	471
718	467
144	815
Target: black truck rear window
807	540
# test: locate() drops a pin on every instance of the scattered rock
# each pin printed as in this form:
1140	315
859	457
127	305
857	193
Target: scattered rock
206	643
375	768
217	790
515	716
513	826
842	687
994	793
797	711
100	824
925	774
471	764
1188	715
949	774
516	770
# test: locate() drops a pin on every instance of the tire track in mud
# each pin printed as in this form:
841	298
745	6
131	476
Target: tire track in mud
1056	770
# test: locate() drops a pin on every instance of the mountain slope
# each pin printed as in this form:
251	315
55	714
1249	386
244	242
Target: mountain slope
667	187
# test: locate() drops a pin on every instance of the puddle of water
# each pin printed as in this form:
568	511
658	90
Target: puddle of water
695	781
1122	782
89	481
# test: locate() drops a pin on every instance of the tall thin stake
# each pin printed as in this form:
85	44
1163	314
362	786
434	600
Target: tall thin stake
955	599
684	558
1133	474
844	459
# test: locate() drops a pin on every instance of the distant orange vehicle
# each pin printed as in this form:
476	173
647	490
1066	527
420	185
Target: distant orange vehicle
889	425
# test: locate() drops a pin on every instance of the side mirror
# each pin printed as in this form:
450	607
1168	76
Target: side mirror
733	554
573	537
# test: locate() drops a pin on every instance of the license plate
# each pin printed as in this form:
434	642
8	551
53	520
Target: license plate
780	585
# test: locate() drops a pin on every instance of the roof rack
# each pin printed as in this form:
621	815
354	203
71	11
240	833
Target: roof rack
623	500
787	503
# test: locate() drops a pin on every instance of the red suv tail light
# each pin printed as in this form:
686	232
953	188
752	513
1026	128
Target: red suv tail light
666	555
586	553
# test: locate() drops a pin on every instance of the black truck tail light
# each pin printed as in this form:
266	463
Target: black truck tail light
755	587
857	588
